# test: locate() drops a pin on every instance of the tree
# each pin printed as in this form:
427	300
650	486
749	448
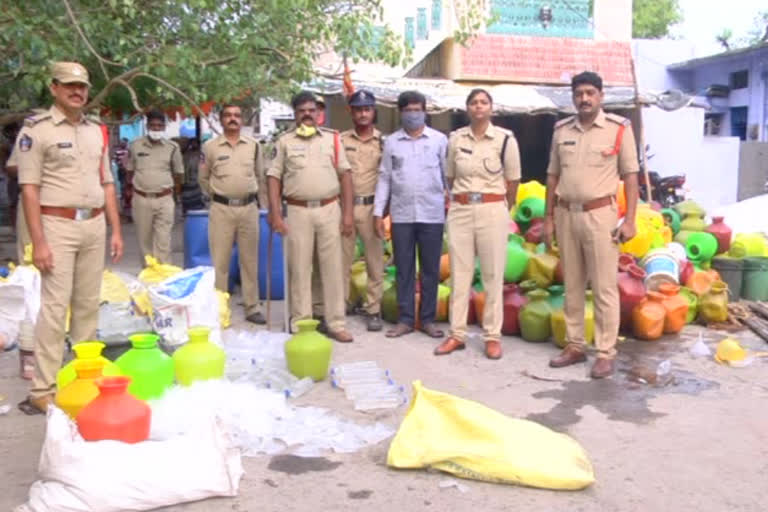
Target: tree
724	38
161	53
652	19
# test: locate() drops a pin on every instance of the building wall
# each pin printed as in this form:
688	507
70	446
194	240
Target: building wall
754	97
678	146
652	56
753	169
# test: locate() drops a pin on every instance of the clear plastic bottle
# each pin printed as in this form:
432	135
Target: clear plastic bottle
343	382
386	402
375	390
359	365
300	388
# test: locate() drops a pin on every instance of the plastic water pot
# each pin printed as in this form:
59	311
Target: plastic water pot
150	369
731	272
198	359
676	307
81	391
87	350
713	305
535	321
648	317
114	414
517	259
755	283
308	353
722	233
701	247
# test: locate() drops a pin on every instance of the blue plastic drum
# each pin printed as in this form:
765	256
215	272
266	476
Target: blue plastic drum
278	293
196	250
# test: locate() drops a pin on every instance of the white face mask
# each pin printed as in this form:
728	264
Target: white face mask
156	136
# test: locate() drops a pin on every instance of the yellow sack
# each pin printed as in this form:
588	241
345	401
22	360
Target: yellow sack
225	314
157	272
113	289
472	441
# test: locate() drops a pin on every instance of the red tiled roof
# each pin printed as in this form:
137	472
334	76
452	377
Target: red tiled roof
544	60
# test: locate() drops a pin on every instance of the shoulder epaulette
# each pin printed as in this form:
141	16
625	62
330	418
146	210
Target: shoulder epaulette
564	122
329	130
33	120
618	119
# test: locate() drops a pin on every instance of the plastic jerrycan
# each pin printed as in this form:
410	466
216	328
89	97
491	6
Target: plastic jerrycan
676	307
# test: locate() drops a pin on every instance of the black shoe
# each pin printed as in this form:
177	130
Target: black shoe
374	322
322	327
256	318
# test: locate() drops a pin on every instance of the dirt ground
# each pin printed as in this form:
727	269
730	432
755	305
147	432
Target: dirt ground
700	443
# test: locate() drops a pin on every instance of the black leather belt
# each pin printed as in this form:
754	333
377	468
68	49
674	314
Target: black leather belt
364	199
235	202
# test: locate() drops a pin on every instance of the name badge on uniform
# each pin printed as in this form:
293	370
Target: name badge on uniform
300	148
223	157
397	162
142	154
350	149
568	143
64	145
465	150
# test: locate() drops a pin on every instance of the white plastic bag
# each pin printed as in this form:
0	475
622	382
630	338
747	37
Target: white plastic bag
118	320
12	313
185	300
111	476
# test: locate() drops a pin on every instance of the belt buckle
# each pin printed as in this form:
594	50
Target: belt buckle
315	203
82	213
359	200
475	197
236	202
575	207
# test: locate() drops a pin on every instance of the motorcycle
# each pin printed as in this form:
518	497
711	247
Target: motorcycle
667	190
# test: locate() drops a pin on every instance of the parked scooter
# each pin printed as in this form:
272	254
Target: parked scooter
666	190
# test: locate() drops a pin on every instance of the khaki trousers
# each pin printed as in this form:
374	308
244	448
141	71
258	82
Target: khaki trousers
477	230
374	257
309	228
154	221
225	225
75	282
590	255
26	329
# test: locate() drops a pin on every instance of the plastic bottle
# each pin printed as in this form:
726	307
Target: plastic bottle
386	402
358	365
348	378
362	391
300	388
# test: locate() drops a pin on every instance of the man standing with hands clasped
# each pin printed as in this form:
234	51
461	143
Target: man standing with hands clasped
67	187
590	153
230	173
412	182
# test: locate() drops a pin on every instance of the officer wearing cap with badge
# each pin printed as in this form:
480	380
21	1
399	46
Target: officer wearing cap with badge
310	171
362	145
590	153
230	172
154	167
67	189
483	171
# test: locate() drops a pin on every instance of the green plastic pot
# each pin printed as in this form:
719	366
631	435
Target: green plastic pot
517	259
150	369
198	358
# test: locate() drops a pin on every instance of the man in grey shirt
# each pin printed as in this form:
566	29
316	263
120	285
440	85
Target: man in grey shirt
412	182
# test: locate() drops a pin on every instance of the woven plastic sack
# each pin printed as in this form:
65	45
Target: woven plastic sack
472	441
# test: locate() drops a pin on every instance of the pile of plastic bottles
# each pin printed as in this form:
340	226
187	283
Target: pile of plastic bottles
368	386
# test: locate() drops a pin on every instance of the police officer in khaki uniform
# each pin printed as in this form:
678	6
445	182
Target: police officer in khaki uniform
483	171
309	171
154	167
67	188
590	153
230	173
362	145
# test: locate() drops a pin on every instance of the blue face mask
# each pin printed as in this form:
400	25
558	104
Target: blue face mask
413	120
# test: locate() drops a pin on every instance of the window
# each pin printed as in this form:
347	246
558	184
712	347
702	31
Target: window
712	123
740	79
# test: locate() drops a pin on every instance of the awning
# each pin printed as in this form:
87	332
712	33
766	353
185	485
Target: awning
447	95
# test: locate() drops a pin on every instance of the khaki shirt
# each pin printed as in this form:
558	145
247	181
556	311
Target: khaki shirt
586	160
305	165
475	165
233	171
153	164
69	162
364	157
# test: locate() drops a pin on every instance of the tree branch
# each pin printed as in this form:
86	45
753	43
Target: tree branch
101	59
181	93
127	76
132	92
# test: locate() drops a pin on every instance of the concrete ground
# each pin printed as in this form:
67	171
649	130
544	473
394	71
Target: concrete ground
699	443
